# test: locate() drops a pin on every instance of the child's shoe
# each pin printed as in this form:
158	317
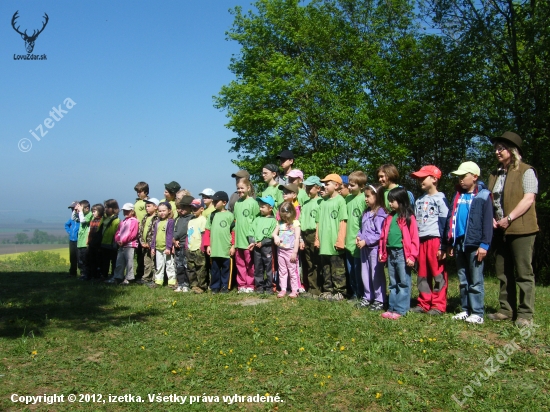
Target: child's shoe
301	290
197	290
418	309
461	316
434	312
376	306
112	281
395	316
249	290
474	319
282	294
325	296
363	303
242	290
337	297
387	315
293	295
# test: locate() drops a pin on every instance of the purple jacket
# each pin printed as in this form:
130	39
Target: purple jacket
169	234
371	227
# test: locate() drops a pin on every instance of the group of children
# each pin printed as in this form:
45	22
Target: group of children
319	238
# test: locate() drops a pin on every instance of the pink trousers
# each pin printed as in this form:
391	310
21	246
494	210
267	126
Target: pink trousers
245	268
287	269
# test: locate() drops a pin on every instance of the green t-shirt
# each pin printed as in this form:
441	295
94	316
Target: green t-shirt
220	233
355	206
245	211
262	228
208	211
302	197
139	208
160	240
173	205
84	230
332	212
146	228
276	194
309	215
395	237
195	229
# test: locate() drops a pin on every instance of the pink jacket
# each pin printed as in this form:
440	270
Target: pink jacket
411	242
127	232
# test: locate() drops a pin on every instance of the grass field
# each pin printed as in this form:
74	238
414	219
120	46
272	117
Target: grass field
63	336
61	251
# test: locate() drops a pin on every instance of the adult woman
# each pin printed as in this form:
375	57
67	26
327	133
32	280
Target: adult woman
514	186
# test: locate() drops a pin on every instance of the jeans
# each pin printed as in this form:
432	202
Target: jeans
353	265
220	273
400	282
470	277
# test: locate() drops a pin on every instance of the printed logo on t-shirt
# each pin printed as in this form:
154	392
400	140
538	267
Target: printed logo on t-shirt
163	228
246	213
356	212
334	214
313	214
223	223
265	232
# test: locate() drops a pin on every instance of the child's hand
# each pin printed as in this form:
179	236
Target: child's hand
293	257
152	252
145	245
259	245
208	250
441	255
316	244
232	251
361	243
251	246
481	253
410	263
380	258
276	240
494	223
177	243
450	252
119	243
167	252
302	245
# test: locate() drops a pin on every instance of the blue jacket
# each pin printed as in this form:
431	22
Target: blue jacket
479	227
71	227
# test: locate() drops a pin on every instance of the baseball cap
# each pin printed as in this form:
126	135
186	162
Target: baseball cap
425	171
267	199
152	200
313	181
197	203
73	205
345	179
172	187
128	206
291	186
286	154
334	177
467	167
207	192
241	173
221	195
185	201
296	173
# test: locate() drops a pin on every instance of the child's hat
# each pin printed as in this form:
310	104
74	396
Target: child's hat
291	186
467	167
333	177
128	206
172	187
286	154
426	171
207	192
267	200
185	201
313	181
152	200
221	195
241	173
296	173
345	179
73	205
197	203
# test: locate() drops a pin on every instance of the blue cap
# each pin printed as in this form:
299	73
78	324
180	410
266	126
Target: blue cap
345	179
267	200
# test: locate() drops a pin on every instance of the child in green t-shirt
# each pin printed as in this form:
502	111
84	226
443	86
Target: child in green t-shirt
355	204
145	235
219	243
195	256
161	246
330	238
269	174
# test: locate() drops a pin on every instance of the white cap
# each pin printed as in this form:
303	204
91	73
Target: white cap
153	200
207	192
128	206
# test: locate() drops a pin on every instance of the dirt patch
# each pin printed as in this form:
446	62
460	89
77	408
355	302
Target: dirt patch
251	302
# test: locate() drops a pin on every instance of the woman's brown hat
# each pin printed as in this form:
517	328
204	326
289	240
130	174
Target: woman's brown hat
509	137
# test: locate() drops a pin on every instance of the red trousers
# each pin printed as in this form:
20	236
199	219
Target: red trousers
432	277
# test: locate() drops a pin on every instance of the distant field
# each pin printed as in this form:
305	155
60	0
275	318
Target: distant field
10	251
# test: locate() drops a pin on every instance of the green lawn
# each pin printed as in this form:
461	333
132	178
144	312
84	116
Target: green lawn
64	336
63	252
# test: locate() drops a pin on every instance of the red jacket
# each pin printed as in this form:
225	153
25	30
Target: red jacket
411	242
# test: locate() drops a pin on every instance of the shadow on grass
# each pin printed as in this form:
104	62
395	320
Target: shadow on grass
31	301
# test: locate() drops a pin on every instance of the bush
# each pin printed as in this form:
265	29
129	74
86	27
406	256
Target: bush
34	261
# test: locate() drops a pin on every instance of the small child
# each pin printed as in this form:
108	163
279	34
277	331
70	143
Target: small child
261	244
296	177
309	218
399	247
142	192
344	187
206	195
355	204
181	193
218	242
126	238
170	192
71	227
368	238
94	242
432	211
145	236
388	176
195	256
290	194
287	237
84	217
470	234
109	247
269	174
330	239
246	210
161	246
181	226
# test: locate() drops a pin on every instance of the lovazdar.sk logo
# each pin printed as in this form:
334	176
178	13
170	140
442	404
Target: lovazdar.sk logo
29	40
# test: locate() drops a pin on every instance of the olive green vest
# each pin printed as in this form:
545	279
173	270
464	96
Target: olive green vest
511	196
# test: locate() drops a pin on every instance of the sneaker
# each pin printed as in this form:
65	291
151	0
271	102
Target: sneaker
337	297
394	316
173	287
126	282
197	290
214	291
293	295
178	289
497	317
308	295
282	294
153	285
242	290
418	309
184	289
325	296
387	315
376	306
474	319
363	303
460	316
112	281
269	292
249	290
434	312
301	290
142	282
224	290
523	323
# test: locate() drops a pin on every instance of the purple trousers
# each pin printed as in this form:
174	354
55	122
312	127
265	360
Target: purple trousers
372	274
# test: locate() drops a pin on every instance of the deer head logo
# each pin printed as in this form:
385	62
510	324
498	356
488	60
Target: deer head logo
29	40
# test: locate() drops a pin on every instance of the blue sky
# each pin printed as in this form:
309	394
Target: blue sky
142	75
